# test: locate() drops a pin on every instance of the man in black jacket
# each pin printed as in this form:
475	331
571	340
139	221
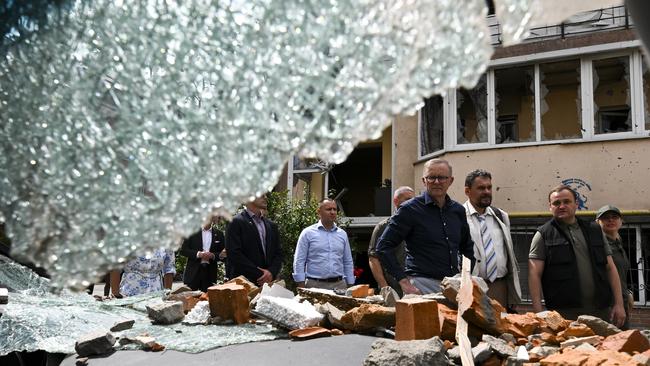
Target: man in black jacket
203	250
571	263
253	245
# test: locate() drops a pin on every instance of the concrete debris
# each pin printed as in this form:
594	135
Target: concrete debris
143	341
334	315
276	291
454	354
599	326
342	302
416	318
181	289
587	347
188	298
97	343
291	313
540	352
481	352
368	317
389	295
574	342
451	285
81	361
167	312
123	325
230	301
200	314
522	354
4	295
508	338
386	352
499	346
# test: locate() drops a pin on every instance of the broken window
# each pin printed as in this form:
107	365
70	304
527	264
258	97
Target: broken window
515	104
471	111
560	100
431	125
646	92
611	87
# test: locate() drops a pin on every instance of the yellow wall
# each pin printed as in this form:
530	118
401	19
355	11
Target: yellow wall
406	150
618	173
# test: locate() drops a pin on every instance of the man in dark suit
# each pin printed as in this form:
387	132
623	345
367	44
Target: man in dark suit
203	250
253	245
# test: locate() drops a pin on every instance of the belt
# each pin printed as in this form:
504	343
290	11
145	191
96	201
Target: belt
331	279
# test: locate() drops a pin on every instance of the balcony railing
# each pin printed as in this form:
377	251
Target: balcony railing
615	17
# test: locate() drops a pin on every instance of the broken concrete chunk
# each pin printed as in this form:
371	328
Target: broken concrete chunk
97	343
522	354
368	317
629	341
389	295
599	326
499	346
144	341
386	352
573	342
229	302
586	347
276	290
200	314
188	298
334	315
540	352
344	303
454	354
181	289
122	325
416	319
309	333
167	312
288	312
481	353
358	291
508	337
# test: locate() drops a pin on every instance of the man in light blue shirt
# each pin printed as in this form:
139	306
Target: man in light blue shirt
323	258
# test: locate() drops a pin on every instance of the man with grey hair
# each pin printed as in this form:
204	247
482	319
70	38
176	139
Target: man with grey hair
401	195
435	230
490	230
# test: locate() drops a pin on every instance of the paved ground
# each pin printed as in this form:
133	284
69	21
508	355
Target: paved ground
349	349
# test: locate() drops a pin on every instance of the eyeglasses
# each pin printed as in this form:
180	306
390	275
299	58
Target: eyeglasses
433	178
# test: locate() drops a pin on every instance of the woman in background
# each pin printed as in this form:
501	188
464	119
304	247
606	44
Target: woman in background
145	274
610	220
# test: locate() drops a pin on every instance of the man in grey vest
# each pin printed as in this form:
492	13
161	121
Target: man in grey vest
571	263
490	230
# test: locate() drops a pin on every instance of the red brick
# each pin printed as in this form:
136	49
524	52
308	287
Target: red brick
229	302
416	318
482	312
359	291
629	341
521	325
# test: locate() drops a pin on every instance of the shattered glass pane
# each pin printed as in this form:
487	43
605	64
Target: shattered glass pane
611	85
560	87
515	104
126	122
35	319
432	121
471	109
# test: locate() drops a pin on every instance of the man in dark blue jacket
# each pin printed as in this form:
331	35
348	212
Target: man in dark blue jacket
435	230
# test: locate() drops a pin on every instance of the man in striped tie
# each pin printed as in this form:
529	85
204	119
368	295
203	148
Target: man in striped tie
490	231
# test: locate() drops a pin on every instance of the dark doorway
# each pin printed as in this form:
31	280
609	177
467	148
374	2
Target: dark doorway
359	175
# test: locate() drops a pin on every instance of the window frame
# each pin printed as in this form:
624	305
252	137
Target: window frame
586	55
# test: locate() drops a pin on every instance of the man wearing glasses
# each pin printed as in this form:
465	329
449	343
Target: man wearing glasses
435	230
571	263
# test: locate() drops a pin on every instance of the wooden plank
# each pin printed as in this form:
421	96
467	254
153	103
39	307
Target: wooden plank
461	324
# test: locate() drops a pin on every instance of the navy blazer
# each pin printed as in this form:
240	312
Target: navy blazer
244	248
194	244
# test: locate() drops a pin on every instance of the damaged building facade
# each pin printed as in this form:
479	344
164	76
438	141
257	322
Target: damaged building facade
570	105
